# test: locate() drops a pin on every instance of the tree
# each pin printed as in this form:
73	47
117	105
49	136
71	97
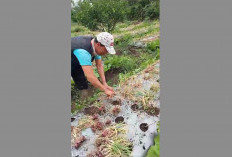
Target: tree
152	11
140	9
100	14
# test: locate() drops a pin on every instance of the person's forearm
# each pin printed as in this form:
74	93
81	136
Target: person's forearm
100	70
96	83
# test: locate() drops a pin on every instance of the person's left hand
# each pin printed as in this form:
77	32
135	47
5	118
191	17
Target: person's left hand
108	87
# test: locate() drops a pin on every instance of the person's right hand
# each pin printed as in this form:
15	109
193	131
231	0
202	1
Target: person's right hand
109	93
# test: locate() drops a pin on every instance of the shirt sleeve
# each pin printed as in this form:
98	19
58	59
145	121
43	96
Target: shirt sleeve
83	56
97	57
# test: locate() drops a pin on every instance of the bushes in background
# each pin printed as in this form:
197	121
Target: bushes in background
99	14
141	9
103	15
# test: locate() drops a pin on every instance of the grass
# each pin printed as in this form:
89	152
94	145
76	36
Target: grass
141	63
124	25
125	63
132	28
78	28
120	29
154	45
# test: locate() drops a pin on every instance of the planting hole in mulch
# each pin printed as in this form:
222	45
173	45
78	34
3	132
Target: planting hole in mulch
72	119
116	102
144	148
144	127
134	107
153	111
119	120
157	111
91	110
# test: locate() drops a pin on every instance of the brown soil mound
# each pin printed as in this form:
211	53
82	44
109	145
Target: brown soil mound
116	102
153	112
91	110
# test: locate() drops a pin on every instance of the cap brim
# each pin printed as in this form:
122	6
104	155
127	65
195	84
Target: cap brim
111	50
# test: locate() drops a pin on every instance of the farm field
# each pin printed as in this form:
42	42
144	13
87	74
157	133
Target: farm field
128	123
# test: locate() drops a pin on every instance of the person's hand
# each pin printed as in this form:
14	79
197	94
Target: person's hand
108	87
109	93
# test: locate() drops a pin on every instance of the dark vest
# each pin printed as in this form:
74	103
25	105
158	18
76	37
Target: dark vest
81	42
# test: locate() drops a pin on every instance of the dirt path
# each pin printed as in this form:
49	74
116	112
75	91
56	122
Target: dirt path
150	38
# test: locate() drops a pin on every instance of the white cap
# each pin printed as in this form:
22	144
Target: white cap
107	40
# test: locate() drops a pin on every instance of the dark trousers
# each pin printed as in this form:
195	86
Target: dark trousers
78	75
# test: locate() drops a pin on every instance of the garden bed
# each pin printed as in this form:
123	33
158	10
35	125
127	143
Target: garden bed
122	126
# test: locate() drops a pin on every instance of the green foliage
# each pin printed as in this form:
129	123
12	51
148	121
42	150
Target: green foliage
157	56
141	63
136	9
143	25
124	40
140	9
104	13
124	24
152	11
73	19
78	28
140	31
74	93
145	60
154	45
124	63
83	13
72	83
100	14
154	150
120	26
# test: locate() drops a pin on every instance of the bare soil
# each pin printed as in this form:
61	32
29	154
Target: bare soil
112	75
91	110
133	51
119	120
151	38
72	119
134	107
153	112
144	127
116	102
